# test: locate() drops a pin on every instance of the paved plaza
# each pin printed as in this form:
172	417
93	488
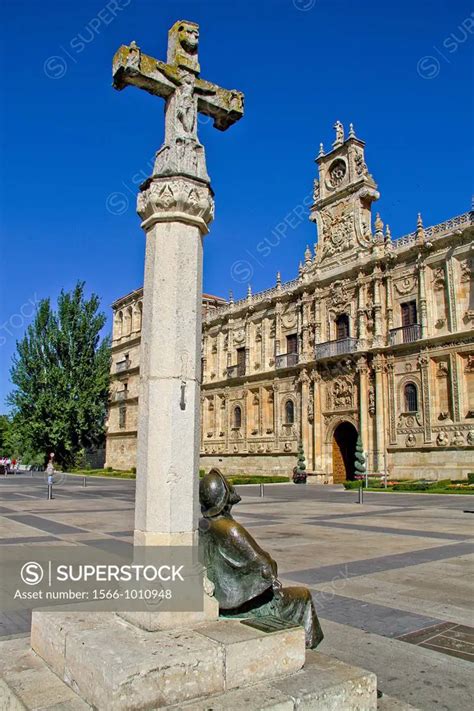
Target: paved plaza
392	578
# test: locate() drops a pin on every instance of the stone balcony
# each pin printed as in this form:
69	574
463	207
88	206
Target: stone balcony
405	334
335	348
236	371
286	360
122	365
121	395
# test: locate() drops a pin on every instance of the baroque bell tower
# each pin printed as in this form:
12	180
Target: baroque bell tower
343	197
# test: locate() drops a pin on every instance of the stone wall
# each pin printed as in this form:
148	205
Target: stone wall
263	465
432	463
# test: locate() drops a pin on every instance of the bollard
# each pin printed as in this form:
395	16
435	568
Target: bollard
361	493
262	490
84	482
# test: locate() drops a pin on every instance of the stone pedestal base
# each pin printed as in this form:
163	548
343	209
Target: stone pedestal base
112	664
324	684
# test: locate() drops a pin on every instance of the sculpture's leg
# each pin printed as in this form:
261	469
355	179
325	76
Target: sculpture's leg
294	604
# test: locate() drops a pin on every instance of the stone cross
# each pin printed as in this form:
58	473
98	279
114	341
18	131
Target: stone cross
186	95
176	206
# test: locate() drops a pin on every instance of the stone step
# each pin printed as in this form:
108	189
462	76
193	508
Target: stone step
324	684
27	683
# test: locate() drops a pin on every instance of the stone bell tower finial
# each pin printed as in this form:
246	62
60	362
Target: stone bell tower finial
339	134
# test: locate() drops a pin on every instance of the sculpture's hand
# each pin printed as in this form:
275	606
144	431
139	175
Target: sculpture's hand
277	587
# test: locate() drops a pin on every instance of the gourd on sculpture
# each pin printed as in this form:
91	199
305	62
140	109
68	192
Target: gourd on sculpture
244	576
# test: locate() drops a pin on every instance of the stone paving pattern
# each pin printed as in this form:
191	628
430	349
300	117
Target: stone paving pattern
392	578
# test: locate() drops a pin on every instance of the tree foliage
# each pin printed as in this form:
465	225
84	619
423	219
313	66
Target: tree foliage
61	377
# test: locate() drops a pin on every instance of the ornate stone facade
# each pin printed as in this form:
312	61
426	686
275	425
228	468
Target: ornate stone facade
375	337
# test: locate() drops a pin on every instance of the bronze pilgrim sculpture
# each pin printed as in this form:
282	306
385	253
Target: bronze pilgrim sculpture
245	577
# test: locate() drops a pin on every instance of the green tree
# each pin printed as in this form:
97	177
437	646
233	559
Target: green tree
5	425
61	378
359	464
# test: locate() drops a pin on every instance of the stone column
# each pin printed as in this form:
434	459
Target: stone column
204	360
227	423
317	317
299	332
305	381
317	424
378	339
424	364
175	214
361	315
454	379
422	301
247	344
391	399
278	308
451	294
362	369
389	302
276	414
379	413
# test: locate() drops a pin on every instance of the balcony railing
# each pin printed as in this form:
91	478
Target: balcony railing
335	348
285	360
405	334
122	365
236	371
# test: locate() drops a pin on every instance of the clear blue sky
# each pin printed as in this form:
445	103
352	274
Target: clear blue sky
402	72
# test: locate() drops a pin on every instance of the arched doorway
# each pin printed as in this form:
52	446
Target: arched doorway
343	452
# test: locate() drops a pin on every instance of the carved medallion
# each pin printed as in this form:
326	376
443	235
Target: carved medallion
337	173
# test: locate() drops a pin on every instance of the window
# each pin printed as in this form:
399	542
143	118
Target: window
411	398
122	417
342	327
289	412
292	343
408	313
240	361
237	418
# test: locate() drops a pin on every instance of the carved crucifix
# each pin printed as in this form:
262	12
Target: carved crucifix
186	95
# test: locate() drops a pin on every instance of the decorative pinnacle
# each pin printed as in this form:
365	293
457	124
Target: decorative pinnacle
420	232
231	296
388	234
278	280
300	267
307	255
378	223
351	131
249	291
321	151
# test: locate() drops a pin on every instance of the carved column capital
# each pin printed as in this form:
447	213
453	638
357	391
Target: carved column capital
361	364
175	199
378	363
